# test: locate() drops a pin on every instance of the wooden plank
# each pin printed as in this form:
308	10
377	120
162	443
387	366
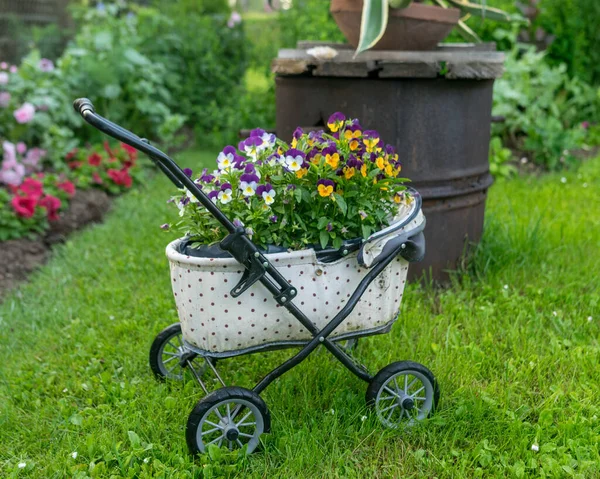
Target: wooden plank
408	70
344	69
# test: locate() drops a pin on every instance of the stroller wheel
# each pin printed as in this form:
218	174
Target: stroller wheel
166	352
403	393
233	417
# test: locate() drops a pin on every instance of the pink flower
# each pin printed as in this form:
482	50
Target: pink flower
46	65
120	177
33	156
585	125
3	65
10	154
24	206
25	114
12	176
21	148
32	188
52	204
67	187
13	69
4	99
3	78
234	19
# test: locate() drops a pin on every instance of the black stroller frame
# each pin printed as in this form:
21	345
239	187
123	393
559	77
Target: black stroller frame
258	268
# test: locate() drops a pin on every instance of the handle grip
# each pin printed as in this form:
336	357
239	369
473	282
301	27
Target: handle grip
82	105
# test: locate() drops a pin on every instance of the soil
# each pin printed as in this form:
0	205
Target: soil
19	258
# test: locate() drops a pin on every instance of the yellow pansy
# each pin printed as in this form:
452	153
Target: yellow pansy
301	172
325	191
380	162
349	172
363	170
332	160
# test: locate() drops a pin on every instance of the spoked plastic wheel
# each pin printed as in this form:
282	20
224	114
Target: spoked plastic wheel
167	351
403	393
233	417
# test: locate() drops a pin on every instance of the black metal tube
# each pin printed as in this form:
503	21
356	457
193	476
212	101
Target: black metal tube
320	336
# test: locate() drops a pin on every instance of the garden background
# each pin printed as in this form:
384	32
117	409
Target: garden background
513	340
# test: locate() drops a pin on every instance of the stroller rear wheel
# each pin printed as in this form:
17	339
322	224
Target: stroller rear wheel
167	352
233	417
403	393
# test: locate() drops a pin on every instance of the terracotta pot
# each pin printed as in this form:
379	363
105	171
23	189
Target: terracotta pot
416	27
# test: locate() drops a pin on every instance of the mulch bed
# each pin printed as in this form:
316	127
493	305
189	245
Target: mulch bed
19	258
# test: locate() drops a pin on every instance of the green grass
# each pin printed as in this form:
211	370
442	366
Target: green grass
514	344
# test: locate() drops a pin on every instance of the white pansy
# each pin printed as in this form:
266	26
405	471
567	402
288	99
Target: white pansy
191	196
269	197
224	161
293	163
225	196
248	189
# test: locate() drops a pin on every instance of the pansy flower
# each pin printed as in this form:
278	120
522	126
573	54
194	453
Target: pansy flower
314	156
332	157
248	184
370	139
267	192
206	177
336	121
251	146
225	195
294	159
213	195
225	158
325	187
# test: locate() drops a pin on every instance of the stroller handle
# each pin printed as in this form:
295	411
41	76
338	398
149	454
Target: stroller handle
172	170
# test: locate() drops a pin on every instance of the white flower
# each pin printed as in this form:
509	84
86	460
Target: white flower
332	412
269	197
248	189
74	454
224	161
554	313
322	53
535	447
293	163
590	319
21	465
506	286
190	195
363	419
65	390
225	196
268	139
585	185
146	460
563	180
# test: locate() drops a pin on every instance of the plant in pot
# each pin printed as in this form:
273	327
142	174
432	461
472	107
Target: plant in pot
322	208
408	24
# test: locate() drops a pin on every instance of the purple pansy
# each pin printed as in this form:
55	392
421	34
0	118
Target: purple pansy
206	177
225	186
329	227
188	172
263	189
213	195
325	182
273	218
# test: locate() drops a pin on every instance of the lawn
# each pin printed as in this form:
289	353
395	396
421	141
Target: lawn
514	344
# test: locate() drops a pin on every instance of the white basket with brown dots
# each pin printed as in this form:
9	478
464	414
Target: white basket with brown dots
214	323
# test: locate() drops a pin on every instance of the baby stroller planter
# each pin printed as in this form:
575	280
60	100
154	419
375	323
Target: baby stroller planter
243	300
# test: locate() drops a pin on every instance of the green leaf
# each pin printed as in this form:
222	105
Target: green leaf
486	12
323	220
373	23
133	56
324	238
134	439
341	202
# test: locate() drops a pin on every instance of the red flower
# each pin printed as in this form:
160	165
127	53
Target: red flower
95	159
32	188
52	204
71	154
131	152
67	187
24	206
97	178
75	164
120	177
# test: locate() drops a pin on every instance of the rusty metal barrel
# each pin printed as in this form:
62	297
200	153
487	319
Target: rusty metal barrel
434	106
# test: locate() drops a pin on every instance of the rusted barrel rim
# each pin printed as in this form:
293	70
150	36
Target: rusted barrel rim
452	188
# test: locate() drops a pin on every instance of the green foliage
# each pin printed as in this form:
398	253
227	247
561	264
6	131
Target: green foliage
574	23
543	108
500	158
514	346
308	20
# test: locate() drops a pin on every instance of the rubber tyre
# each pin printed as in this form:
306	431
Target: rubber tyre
223	395
398	367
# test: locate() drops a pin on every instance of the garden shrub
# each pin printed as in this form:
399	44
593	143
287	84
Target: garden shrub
543	108
308	20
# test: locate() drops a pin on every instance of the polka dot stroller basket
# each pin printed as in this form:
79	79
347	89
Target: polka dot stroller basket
242	300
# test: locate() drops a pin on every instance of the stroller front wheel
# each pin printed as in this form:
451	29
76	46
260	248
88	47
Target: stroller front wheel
403	393
233	417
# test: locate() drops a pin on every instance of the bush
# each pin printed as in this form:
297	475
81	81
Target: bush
543	108
308	20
